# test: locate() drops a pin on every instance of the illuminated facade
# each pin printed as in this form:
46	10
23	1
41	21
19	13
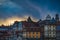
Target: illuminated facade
50	32
49	29
31	30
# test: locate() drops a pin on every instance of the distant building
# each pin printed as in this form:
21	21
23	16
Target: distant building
17	26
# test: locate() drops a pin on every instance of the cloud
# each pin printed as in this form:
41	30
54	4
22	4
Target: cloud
11	20
43	7
37	9
27	9
9	9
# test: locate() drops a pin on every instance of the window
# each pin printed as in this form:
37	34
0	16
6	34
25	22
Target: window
54	32
54	35
46	28
34	34
46	34
31	34
24	34
27	34
51	34
38	34
20	26
46	31
50	39
52	28
49	29
24	29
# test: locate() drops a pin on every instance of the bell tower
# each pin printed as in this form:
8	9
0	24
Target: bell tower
48	17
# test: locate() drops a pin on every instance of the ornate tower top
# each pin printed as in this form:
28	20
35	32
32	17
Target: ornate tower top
48	17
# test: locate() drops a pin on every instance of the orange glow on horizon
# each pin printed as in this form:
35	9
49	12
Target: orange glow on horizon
10	21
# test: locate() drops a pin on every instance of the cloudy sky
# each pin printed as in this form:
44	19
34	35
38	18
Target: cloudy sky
37	9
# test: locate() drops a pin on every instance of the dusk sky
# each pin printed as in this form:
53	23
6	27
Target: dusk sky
21	9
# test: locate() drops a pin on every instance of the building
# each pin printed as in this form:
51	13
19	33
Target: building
50	26
12	32
31	30
48	29
58	31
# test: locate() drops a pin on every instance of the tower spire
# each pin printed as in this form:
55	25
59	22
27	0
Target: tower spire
29	19
48	17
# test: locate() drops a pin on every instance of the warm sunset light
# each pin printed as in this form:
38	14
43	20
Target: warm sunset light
10	21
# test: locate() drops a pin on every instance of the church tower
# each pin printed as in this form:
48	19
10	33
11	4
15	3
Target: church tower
57	17
48	17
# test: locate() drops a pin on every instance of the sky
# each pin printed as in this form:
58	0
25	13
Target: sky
22	9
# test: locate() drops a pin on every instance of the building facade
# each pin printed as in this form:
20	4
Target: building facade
48	29
31	30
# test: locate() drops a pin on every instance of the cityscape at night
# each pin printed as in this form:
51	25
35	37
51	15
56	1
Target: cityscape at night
48	29
29	19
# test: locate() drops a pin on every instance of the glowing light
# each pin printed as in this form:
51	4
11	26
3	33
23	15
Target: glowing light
10	21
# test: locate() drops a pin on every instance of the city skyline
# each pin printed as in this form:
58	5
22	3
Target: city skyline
12	20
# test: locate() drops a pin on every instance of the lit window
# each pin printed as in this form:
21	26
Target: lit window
46	28
27	34
54	35
31	34
49	28
51	34
34	34
38	34
52	28
50	39
24	34
46	34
